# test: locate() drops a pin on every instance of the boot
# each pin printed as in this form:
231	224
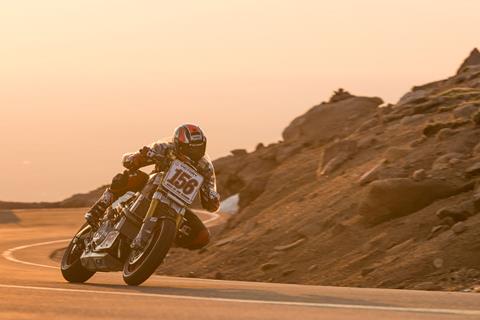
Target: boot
97	211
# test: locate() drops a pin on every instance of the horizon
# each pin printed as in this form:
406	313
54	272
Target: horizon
84	83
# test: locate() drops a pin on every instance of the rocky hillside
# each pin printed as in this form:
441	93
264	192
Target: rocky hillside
358	194
76	201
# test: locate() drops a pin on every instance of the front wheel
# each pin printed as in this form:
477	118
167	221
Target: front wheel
71	266
141	264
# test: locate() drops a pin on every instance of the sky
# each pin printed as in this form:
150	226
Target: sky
82	82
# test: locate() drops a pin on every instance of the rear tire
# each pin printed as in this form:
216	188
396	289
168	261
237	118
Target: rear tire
71	266
136	272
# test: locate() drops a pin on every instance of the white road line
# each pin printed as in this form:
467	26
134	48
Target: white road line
261	302
8	254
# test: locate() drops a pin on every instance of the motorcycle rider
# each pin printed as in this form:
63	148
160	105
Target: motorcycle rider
188	142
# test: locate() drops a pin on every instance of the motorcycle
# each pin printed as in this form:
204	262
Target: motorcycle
157	211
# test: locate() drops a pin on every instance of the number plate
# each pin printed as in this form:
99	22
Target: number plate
182	181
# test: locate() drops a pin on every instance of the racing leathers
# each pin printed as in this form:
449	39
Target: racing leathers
133	179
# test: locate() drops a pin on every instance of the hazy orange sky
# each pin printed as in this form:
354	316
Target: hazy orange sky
82	82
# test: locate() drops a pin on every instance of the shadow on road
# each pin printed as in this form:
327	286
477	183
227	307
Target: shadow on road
7	216
243	294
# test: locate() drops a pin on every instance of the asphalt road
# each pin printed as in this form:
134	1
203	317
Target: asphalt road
31	287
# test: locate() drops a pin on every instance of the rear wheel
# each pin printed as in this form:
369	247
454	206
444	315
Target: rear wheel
72	269
141	264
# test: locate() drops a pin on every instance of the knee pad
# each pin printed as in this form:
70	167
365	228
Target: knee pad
119	182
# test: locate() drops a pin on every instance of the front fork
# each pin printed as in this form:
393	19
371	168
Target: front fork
150	222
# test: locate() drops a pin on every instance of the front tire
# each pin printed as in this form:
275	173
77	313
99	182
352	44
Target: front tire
141	265
71	266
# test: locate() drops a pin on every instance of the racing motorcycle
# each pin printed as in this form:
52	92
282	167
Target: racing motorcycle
159	207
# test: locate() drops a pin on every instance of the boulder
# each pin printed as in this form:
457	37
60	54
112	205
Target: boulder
329	120
396	197
414	96
459	227
457	213
419	175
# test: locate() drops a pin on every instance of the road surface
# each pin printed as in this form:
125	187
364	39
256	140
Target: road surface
31	287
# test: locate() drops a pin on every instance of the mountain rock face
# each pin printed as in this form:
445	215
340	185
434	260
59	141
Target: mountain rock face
358	194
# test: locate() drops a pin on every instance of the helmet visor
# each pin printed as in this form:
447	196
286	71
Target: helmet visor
192	151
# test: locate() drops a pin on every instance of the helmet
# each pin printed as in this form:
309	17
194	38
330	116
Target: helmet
189	140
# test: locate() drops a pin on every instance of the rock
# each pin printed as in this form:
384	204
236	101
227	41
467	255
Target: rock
313	267
419	175
259	146
393	154
476	202
414	96
438	263
466	110
444	161
268	266
472	60
367	142
332	165
288	272
437	230
321	123
459	227
456	213
476	150
227	240
419	141
473	170
252	191
387	199
370	123
445	133
290	246
239	152
476	118
448	221
427	286
413	120
433	128
336	154
219	275
287	151
191	274
340	95
372	174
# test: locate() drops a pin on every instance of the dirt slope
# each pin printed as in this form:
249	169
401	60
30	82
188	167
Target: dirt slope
358	194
